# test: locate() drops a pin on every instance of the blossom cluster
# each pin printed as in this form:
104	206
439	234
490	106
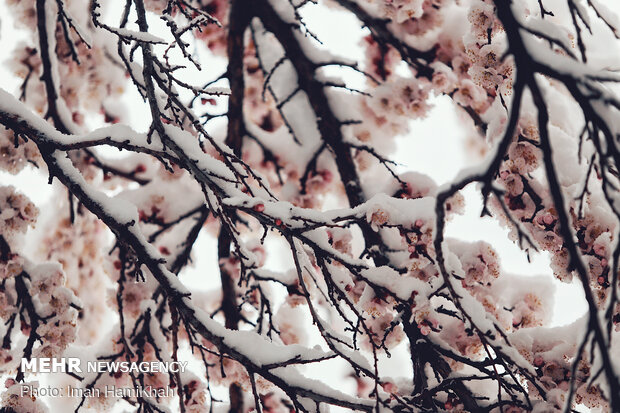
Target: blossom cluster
13	158
17	212
77	247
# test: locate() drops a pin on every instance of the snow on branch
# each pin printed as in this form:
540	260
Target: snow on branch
325	256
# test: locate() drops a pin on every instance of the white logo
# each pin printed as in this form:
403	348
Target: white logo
74	365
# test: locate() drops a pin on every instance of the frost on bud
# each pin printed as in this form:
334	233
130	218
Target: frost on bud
378	218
